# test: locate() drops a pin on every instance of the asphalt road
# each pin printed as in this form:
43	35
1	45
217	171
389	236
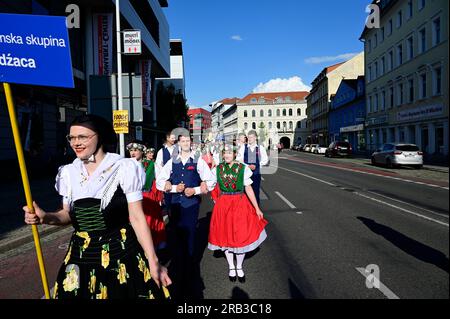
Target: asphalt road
328	221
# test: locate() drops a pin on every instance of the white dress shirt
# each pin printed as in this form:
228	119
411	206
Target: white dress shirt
159	161
263	158
202	168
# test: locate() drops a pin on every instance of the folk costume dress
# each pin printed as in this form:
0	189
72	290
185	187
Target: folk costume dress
152	209
104	259
234	226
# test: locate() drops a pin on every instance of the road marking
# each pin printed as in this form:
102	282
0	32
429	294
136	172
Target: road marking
299	213
316	179
385	290
262	195
262	178
285	200
402	209
400	201
296	159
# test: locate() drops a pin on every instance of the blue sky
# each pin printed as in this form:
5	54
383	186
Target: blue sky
232	47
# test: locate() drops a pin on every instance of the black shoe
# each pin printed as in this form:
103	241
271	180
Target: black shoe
241	278
231	276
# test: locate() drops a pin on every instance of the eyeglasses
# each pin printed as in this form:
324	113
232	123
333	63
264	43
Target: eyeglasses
80	138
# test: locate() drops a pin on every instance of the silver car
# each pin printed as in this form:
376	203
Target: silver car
396	154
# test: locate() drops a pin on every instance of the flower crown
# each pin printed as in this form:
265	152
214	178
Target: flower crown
136	146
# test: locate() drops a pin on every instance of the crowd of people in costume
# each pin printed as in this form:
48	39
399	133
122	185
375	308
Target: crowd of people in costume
120	209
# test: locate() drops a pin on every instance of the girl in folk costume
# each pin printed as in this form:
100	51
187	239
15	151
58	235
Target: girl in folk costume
111	252
237	223
152	197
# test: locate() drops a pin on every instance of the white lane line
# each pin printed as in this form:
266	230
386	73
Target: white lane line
285	200
262	195
385	290
409	204
402	209
262	178
369	173
307	176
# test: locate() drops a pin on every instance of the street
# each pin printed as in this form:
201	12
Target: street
329	219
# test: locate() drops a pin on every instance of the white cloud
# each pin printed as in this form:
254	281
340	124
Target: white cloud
294	83
236	37
322	59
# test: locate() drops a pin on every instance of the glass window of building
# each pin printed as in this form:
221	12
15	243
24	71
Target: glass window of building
284	112
245	113
410	9
410	47
436	31
400	94
421	4
290	112
391	60
253	113
399	55
411	90
278	125
278	112
382	34
270	125
390	27
391	97
383	100
399	19
299	112
437	80
423	85
261	113
422	40
291	125
245	126
284	125
254	125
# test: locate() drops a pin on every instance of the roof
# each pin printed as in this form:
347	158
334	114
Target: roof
333	67
232	100
295	96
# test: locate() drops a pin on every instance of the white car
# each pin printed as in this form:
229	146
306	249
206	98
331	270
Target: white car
307	148
396	154
319	149
313	148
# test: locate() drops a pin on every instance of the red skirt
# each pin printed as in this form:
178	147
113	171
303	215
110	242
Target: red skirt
235	226
153	215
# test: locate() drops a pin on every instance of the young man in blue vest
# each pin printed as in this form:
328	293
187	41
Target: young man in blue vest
182	177
254	156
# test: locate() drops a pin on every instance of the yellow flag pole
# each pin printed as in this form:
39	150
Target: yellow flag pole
26	184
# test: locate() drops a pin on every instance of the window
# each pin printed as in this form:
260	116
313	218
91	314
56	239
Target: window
421	4
399	55
245	114
254	125
382	65
261	113
390	27
410	9
299	124
278	125
253	100
245	126
284	126
410	47
423	85
284	112
287	98
375	40
436	31
437	81
270	113
376	70
370	73
253	113
278	112
299	112
369	45
400	94
391	97
270	125
399	19
391	60
383	100
422	40
375	105
369	104
411	90
291	125
382	35
290	112
262	100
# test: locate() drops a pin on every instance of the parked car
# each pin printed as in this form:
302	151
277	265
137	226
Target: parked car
313	148
339	149
396	154
320	149
307	148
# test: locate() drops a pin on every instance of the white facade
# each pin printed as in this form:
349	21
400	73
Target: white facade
280	119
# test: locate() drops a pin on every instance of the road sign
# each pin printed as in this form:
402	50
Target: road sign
132	42
35	50
120	121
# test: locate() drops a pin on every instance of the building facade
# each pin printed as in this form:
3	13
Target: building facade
217	121
276	117
45	113
407	76
323	88
230	124
199	123
348	113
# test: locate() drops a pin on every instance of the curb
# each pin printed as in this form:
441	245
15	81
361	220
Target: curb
7	245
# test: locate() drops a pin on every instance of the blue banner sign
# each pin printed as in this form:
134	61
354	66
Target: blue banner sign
35	50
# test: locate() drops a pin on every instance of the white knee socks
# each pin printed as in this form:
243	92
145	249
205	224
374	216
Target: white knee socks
230	258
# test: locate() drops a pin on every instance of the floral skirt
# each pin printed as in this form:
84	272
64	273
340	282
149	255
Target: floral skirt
106	265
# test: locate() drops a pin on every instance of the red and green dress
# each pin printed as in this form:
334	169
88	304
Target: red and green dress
151	206
234	226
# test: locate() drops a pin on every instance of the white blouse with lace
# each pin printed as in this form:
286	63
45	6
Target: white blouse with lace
73	181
